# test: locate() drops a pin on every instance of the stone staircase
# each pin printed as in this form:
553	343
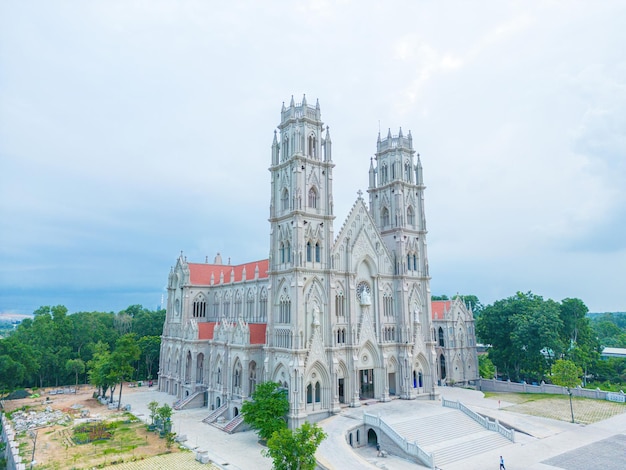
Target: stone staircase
233	424
215	414
450	436
180	404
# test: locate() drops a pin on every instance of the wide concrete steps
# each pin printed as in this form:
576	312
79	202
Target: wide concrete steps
462	448
447	425
450	435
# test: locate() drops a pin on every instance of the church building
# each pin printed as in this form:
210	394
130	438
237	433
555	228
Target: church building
338	319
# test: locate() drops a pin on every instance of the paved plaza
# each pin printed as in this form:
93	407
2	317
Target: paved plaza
540	444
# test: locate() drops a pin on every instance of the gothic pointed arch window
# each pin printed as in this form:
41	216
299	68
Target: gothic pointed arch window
252	377
199	307
385	217
340	304
285	148
317	252
407	172
313	198
441	338
312	146
309	393
287	252
263	306
284	309
199	368
384	174
410	216
284	199
308	251
318	392
282	252
250	306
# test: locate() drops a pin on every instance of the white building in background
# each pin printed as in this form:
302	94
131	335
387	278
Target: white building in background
336	318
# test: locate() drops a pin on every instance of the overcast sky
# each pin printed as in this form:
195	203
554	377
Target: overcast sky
132	130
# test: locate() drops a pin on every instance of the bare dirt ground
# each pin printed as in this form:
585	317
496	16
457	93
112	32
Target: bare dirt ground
54	447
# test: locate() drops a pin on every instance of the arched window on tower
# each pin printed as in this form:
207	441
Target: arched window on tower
441	341
313	198
282	252
284	311
308	251
383	174
312	147
340	305
285	148
287	252
385	217
317	252
407	172
284	199
410	216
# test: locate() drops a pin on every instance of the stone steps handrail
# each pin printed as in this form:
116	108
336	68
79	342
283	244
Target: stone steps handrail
411	448
183	402
482	420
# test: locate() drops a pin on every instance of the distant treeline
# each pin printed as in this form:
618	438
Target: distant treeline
54	348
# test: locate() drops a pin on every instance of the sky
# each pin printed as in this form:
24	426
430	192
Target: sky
133	130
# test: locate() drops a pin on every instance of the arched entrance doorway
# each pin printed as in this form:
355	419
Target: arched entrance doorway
372	438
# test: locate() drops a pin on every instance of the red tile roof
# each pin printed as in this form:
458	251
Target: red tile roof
200	273
439	308
257	331
205	330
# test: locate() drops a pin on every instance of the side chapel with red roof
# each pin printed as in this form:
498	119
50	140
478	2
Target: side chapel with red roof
336	319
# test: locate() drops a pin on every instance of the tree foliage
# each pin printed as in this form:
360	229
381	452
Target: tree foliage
523	334
486	369
267	410
295	449
566	374
526	334
45	344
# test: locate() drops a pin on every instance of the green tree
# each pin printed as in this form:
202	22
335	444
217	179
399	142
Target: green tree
485	367
153	406
295	449
100	368
439	297
266	412
150	347
11	373
75	366
126	352
566	374
523	334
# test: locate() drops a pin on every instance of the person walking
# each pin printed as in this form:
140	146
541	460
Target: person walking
502	467
378	449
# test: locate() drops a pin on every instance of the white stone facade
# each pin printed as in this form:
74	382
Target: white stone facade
335	319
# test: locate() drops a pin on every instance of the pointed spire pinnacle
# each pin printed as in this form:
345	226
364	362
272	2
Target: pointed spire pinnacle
400	133
389	134
317	103
283	108
378	140
275	139
304	99
371	163
328	134
292	104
